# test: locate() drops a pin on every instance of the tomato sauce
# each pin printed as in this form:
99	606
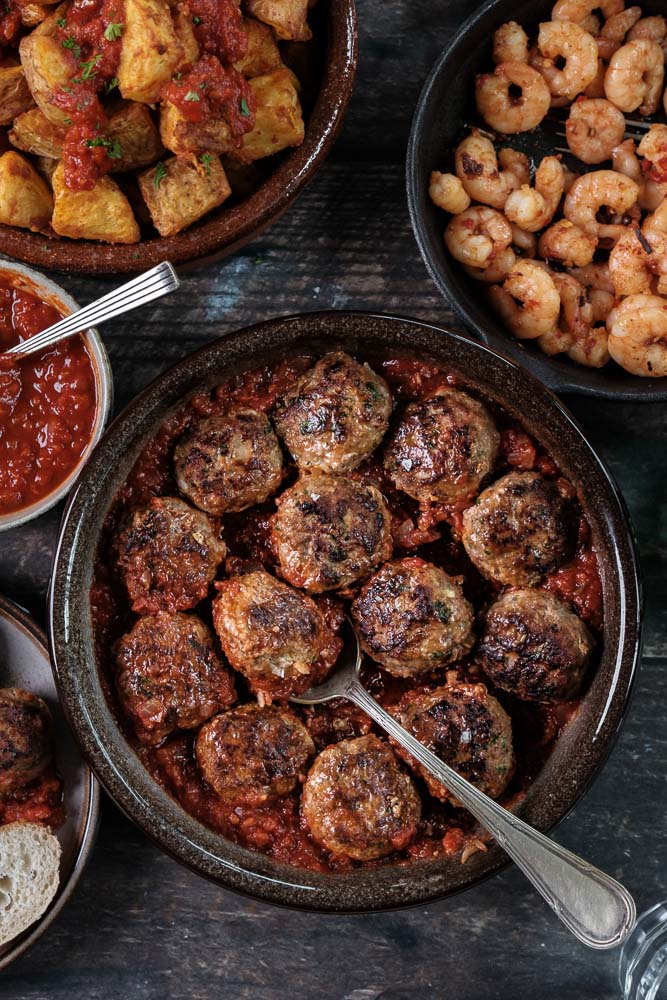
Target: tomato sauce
430	531
218	27
211	90
41	802
47	404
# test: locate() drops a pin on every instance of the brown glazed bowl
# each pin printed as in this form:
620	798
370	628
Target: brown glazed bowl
584	745
230	228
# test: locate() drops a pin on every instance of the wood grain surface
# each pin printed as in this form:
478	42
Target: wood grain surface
139	925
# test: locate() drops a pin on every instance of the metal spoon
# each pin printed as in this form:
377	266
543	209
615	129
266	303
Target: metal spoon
137	292
594	907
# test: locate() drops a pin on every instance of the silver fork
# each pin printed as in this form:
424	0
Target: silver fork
594	907
145	288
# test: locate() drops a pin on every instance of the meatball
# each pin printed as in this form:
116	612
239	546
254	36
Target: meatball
335	416
251	754
519	529
534	647
274	635
467	728
442	448
168	555
329	533
413	618
169	675
25	738
359	802
229	463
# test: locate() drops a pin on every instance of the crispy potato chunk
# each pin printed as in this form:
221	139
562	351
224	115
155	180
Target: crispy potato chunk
103	213
186	36
33	14
49	25
25	199
182	136
178	192
150	50
286	17
15	96
263	54
34	133
46	69
278	120
138	136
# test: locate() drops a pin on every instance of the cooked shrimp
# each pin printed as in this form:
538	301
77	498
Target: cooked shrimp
567	244
593	129
533	208
654	236
597	190
510	43
477	169
618	25
476	236
555	341
524	241
653	148
566	41
527	301
624	159
569	177
578	10
638	335
602	304
630	265
653	28
591	348
595	88
496	270
447	192
516	163
635	77
504	112
594	276
576	313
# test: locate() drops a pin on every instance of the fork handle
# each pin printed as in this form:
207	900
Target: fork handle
594	907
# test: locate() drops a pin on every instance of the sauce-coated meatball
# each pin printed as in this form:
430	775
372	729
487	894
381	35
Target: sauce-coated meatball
534	647
169	675
519	529
359	802
442	448
168	555
335	416
330	532
229	462
253	754
25	738
274	635
467	728
413	618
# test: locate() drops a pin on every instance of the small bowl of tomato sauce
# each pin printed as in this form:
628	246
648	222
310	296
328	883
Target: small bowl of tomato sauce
53	405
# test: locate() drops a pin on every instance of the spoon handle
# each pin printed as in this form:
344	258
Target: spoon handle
137	292
594	907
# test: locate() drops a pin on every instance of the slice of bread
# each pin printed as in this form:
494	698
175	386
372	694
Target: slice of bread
29	876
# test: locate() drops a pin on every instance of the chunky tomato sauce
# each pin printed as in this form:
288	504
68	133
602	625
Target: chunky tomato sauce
41	802
431	531
211	90
47	404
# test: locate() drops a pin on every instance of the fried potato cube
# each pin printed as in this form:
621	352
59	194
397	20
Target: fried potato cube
286	17
49	25
104	213
138	136
186	36
46	166
25	199
46	70
34	133
33	14
263	54
182	136
278	119
178	192
15	96
150	50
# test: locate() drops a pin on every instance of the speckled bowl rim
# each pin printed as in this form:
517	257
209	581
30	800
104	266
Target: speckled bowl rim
116	765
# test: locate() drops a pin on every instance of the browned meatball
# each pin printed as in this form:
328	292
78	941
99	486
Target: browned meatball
274	635
519	529
168	555
25	738
467	728
253	754
412	618
169	675
229	462
330	532
442	448
335	415
534	647
359	802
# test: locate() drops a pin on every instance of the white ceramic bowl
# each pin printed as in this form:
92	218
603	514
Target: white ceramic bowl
38	284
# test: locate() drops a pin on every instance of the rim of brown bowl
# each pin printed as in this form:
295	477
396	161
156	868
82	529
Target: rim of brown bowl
581	750
230	228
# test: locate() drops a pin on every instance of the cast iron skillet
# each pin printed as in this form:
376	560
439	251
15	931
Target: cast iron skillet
445	107
582	749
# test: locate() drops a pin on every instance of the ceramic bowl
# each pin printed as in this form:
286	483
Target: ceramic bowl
445	107
230	227
581	750
45	289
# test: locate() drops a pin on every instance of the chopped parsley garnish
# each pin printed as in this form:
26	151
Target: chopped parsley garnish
61	22
196	19
191	95
207	160
113	31
112	146
67	121
245	110
441	611
88	68
69	43
111	84
177	77
160	174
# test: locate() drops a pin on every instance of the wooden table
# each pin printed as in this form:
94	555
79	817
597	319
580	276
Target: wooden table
139	925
